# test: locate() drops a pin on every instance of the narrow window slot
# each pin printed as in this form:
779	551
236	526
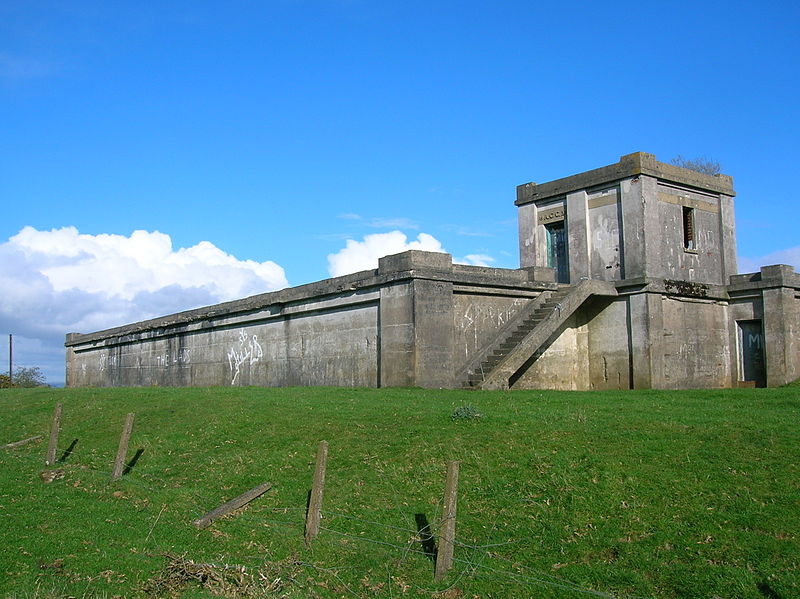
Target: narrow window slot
689	242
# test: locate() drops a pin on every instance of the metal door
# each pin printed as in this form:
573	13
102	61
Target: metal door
557	250
751	352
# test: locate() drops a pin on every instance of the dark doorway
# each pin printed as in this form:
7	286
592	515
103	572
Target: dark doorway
557	250
751	352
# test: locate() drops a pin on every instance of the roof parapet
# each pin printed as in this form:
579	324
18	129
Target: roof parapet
630	165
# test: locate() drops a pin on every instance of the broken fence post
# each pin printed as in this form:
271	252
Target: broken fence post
23	442
447	530
54	429
233	504
119	462
314	513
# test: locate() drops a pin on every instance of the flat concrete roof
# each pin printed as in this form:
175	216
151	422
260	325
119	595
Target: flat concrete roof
631	165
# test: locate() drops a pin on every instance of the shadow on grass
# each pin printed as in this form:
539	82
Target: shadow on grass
426	539
129	466
767	591
68	451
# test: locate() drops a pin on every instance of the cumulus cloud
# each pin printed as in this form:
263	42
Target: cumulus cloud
363	255
476	260
790	256
61	281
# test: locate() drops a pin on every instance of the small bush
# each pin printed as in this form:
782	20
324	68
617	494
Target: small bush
465	412
704	165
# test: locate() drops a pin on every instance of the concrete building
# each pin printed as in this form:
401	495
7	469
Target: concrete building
628	280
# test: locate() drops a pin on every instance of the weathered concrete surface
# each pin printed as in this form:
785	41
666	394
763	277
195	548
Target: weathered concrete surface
478	320
327	348
552	326
773	297
627	221
563	361
398	325
696	349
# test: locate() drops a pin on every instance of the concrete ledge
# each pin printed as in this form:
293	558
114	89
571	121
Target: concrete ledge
776	275
670	287
631	165
415	260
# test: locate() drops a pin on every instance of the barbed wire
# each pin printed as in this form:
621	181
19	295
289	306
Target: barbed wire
191	498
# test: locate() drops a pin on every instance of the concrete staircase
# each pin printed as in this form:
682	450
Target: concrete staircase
529	332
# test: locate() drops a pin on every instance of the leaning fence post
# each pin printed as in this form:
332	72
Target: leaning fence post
116	474
447	530
314	514
54	429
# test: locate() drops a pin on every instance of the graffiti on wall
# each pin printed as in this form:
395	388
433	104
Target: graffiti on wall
478	320
108	361
247	350
177	357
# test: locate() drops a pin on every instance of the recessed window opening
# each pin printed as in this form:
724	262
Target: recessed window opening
689	242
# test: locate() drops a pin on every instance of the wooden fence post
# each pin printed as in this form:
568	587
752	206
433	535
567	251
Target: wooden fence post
54	430
119	462
233	504
314	514
447	530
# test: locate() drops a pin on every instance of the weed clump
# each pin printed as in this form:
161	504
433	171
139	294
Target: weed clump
465	412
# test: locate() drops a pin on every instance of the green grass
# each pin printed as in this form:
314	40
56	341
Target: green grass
645	494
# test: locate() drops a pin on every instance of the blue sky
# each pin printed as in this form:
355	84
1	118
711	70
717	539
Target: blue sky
249	142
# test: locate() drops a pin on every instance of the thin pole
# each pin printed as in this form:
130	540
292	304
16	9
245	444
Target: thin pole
10	358
54	429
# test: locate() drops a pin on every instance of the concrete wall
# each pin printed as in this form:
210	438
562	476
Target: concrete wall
415	321
561	364
307	347
605	248
609	349
419	320
478	318
590	351
697	352
703	263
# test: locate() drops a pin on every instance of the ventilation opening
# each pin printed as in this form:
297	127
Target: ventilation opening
689	242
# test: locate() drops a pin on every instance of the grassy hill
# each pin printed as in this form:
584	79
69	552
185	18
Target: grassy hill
610	494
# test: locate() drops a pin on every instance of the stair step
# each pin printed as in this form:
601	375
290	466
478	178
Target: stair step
508	345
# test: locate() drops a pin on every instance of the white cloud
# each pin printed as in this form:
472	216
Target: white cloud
363	255
392	223
476	260
399	222
790	256
22	67
466	231
60	281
